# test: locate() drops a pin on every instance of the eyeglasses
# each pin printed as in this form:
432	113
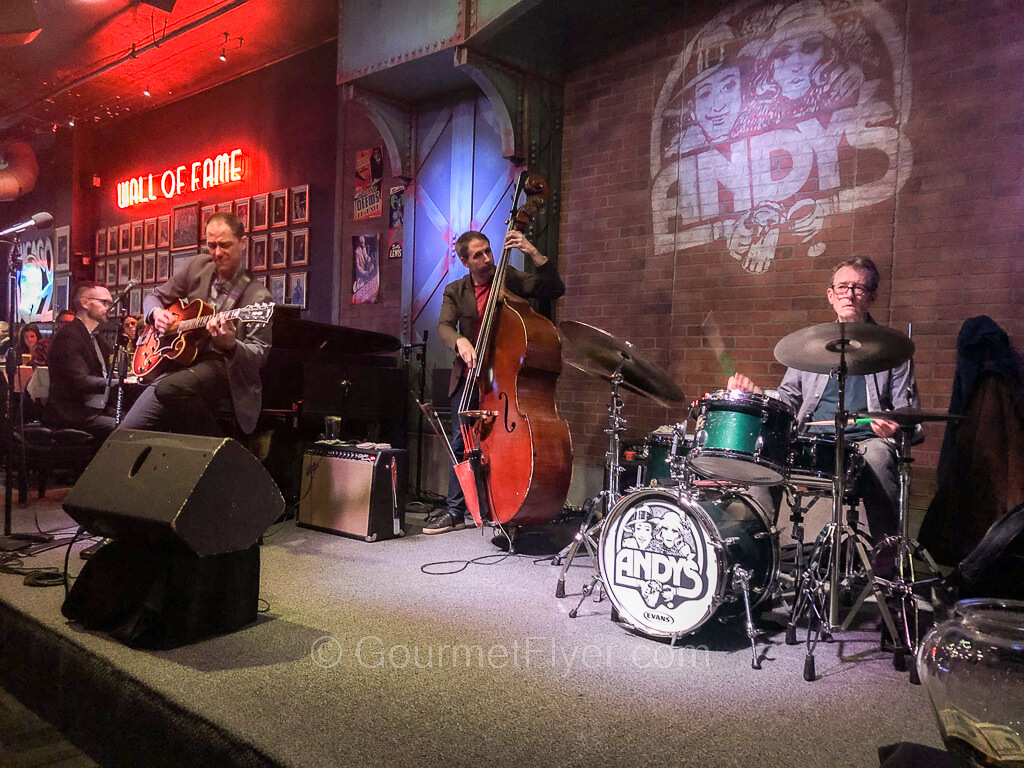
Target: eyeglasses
104	302
852	288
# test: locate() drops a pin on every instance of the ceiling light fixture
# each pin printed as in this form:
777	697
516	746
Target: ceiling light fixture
146	92
224	48
71	123
223	55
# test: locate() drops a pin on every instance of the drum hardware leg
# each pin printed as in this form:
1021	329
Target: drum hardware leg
588	588
587	537
741	576
589	531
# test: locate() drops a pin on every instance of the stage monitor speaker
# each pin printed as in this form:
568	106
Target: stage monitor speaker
18	23
208	495
357	492
163	5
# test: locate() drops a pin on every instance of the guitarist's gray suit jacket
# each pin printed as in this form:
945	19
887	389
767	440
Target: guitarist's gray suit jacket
253	341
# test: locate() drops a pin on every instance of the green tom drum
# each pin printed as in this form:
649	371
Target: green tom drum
741	437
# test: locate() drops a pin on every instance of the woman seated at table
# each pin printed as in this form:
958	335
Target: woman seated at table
33	344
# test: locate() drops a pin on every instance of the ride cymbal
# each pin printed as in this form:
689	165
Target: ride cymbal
869	348
598	353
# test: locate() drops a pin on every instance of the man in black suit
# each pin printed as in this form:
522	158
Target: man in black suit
78	360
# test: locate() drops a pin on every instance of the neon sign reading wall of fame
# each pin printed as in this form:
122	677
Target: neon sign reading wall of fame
775	118
202	174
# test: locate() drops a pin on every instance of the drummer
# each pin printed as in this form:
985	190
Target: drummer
815	397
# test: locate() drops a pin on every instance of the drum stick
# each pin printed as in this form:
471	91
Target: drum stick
717	345
830	422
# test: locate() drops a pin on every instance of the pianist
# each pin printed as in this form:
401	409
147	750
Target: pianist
78	358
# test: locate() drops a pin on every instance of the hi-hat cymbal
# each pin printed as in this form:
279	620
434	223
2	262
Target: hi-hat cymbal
597	352
869	348
906	417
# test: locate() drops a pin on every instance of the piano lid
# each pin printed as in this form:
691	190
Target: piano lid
290	332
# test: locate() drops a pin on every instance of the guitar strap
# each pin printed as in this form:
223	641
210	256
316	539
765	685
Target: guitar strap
238	286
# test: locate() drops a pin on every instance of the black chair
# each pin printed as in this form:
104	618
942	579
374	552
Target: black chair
44	451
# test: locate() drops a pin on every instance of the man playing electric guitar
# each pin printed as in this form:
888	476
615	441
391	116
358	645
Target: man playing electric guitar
224	377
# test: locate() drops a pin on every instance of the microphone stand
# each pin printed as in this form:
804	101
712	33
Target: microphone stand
11	542
118	361
421	354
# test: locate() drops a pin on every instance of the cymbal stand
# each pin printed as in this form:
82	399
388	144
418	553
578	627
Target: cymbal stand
589	532
902	584
816	596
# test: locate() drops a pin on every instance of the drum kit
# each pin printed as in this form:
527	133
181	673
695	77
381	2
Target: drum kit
689	542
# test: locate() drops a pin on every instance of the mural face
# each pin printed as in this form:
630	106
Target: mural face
775	118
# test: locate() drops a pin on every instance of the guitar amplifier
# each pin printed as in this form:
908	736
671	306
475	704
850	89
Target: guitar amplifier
357	492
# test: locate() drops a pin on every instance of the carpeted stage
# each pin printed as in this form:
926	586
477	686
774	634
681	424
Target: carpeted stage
353	665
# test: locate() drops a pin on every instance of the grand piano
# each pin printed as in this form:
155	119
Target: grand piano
316	370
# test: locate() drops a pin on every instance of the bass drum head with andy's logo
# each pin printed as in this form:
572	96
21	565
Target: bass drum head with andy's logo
659	563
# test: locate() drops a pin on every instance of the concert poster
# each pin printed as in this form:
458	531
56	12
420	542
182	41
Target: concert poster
365	268
396	218
369	172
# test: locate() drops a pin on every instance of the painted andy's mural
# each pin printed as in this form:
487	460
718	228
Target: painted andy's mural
775	117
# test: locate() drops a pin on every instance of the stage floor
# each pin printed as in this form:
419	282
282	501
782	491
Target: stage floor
353	663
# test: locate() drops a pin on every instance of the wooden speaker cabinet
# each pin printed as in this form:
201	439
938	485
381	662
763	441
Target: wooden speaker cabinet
357	492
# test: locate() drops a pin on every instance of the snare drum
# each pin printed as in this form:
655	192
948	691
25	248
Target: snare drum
813	462
668	557
666	448
742	437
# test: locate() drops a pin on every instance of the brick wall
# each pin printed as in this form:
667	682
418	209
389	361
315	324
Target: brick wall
946	235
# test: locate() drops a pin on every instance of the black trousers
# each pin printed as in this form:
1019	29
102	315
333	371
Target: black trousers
186	401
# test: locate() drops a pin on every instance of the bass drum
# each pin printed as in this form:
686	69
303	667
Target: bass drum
668	558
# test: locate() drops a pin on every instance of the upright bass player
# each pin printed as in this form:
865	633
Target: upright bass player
461	313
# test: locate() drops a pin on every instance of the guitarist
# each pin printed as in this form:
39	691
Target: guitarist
225	376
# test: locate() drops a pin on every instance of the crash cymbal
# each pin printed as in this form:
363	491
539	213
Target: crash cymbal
598	353
905	417
869	348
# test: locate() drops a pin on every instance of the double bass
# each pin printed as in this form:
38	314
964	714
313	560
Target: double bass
518	461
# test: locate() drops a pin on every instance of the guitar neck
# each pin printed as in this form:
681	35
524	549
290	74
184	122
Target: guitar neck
200	322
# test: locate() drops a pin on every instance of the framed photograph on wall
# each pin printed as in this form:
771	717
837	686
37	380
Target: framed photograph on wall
227	207
258	213
297	289
208	211
300	204
279	208
149	267
185	227
62	249
101	242
180	261
299	254
112	240
137	229
149	234
243	247
135	302
242	212
125	238
278	253
258	252
276	287
111	276
136	270
163	266
61	289
124	266
163	232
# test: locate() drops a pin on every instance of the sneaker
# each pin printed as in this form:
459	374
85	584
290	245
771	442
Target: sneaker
449	521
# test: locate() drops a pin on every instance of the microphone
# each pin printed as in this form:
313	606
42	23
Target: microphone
41	220
124	294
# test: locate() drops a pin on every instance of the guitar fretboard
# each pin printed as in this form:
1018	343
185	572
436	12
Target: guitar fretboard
200	322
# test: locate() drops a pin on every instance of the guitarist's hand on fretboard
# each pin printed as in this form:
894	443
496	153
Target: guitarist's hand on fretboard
222	332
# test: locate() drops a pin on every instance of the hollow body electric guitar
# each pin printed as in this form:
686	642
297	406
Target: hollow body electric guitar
156	352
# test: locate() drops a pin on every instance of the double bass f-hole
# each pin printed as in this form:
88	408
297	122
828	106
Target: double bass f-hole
510	428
